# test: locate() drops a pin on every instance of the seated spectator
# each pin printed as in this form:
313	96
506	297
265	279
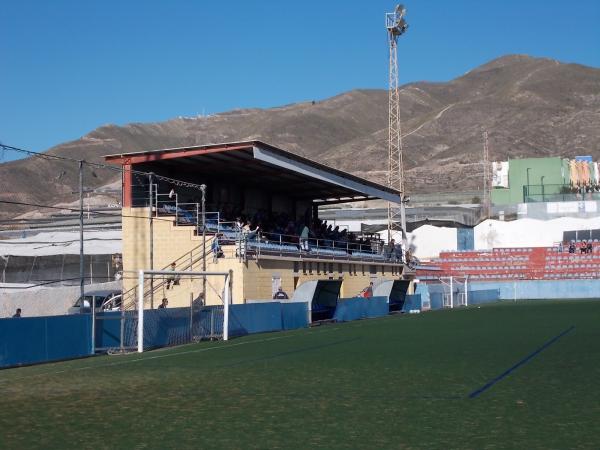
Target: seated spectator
172	279
163	304
583	248
589	248
280	294
572	247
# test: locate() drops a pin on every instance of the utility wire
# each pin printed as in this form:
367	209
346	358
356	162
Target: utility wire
174	181
99	213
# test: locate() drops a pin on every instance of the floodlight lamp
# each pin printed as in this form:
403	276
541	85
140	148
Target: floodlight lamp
400	11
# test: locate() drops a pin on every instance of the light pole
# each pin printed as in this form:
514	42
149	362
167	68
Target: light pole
527	191
542	181
203	190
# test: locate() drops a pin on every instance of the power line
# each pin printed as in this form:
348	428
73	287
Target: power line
99	213
174	181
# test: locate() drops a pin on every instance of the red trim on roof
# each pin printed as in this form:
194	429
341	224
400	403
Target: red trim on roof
161	155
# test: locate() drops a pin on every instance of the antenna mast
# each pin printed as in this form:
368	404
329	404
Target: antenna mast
396	26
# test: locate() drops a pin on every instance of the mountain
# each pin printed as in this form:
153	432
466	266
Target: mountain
531	107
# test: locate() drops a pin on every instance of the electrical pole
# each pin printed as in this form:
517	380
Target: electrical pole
203	190
150	202
82	264
486	177
396	26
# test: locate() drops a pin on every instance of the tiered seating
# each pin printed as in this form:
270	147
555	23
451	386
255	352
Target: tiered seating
273	246
328	251
367	255
517	263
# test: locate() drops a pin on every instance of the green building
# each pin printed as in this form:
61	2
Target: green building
533	180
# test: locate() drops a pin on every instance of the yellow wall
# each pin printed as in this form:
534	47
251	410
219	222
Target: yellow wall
252	279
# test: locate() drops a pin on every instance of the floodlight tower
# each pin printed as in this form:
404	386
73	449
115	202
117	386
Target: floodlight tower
396	26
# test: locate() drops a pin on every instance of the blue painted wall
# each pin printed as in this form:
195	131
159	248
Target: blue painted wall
31	340
465	238
483	292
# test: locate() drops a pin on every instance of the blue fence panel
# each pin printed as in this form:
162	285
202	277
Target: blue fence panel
254	318
30	340
356	308
412	302
294	315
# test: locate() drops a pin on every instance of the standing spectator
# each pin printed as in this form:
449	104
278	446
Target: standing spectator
17	314
215	248
397	252
164	303
368	291
304	238
280	294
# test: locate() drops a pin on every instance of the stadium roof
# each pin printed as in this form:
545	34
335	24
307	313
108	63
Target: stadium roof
263	165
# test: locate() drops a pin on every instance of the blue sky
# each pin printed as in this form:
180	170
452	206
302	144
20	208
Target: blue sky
67	67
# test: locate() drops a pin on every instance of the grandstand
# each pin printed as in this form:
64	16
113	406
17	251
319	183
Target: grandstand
251	182
524	263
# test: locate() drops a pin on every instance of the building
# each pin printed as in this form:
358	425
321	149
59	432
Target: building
163	223
533	179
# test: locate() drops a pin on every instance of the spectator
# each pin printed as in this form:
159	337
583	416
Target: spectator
171	194
172	279
389	250
408	256
368	291
17	313
572	247
583	248
164	303
216	248
280	294
589	248
304	238
397	252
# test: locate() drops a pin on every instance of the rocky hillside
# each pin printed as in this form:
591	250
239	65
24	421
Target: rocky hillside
530	106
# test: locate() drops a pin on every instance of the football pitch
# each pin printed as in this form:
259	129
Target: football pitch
522	375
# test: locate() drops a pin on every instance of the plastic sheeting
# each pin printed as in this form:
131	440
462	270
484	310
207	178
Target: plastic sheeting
356	308
31	340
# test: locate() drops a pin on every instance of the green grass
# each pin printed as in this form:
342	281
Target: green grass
395	382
